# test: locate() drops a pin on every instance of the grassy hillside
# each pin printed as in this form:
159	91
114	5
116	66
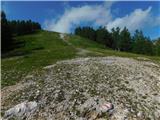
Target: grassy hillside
41	49
44	48
98	48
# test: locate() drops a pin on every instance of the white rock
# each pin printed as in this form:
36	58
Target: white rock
140	114
21	110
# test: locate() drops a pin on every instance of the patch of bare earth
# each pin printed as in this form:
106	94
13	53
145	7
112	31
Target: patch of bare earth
75	89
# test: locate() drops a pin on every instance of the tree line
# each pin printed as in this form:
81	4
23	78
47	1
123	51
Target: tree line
121	40
23	27
9	29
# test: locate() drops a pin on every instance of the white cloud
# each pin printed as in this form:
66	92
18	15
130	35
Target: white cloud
135	20
156	21
101	15
98	14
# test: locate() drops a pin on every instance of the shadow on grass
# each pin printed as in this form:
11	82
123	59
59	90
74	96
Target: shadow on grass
15	50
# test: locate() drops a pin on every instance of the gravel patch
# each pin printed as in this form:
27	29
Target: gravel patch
74	89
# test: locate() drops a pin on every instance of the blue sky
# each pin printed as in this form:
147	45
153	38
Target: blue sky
65	16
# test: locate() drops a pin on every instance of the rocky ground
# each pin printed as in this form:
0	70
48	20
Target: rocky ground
76	89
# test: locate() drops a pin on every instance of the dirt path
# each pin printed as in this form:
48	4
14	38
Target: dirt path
80	51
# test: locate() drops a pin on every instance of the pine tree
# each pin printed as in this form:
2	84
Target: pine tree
103	36
157	47
142	44
116	38
125	40
6	34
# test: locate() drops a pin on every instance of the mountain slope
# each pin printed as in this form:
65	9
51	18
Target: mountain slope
58	88
45	48
40	49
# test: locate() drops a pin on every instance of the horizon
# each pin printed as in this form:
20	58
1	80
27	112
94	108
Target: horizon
64	16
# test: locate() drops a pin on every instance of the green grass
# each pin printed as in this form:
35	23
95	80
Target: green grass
41	49
44	48
80	42
101	50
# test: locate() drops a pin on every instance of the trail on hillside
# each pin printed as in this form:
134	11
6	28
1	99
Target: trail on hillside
70	89
80	51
